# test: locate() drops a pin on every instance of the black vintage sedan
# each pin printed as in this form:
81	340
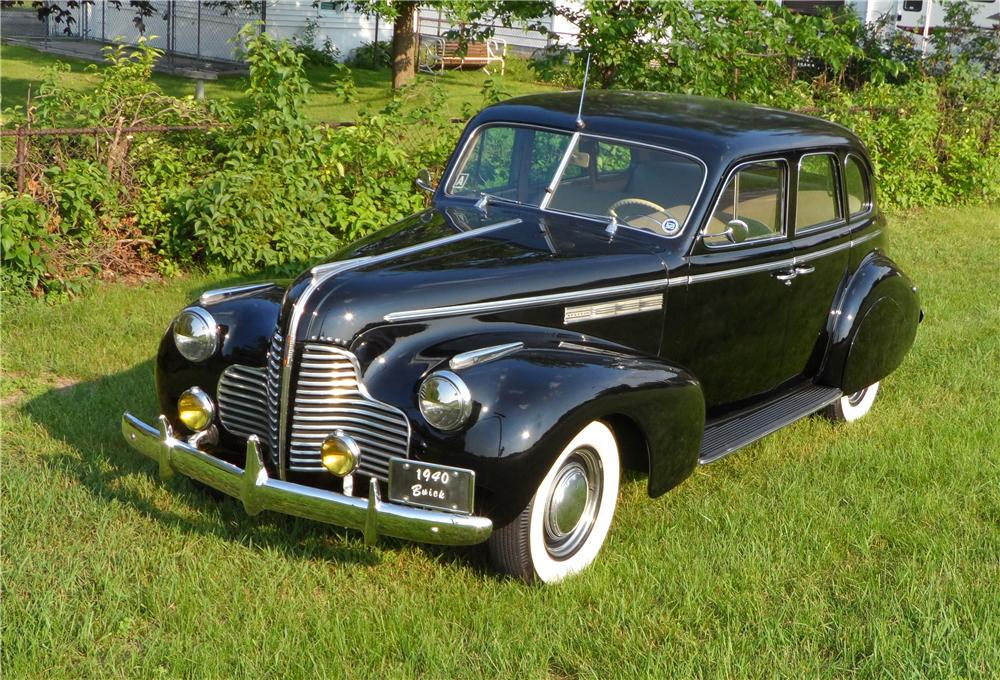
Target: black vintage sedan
654	283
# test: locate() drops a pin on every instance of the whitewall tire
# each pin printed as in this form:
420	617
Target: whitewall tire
564	525
851	407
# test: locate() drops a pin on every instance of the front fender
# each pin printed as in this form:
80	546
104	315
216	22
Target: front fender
246	323
873	325
529	404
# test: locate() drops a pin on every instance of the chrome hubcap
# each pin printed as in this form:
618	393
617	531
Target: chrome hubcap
571	507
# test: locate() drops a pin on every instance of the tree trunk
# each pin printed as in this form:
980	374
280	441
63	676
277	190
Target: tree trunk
404	45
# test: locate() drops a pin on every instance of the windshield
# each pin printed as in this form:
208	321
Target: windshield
637	185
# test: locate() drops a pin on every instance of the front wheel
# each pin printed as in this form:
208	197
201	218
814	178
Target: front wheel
851	407
564	525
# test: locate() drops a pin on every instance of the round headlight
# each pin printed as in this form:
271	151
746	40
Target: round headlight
445	401
340	454
196	334
195	409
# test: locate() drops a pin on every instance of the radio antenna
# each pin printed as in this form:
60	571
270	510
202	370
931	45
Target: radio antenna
583	92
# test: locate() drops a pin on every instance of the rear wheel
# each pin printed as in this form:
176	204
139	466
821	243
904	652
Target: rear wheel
851	407
564	525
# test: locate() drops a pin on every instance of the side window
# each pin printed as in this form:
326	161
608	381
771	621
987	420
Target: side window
817	200
754	195
612	159
855	177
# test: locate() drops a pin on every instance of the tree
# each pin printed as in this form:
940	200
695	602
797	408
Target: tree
476	20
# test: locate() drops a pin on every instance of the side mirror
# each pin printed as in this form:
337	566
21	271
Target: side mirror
736	231
424	181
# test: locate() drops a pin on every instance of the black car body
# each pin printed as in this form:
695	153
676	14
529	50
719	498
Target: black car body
689	273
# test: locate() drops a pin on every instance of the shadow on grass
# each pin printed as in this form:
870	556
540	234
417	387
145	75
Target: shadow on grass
86	417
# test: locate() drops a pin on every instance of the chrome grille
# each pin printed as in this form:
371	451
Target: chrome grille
248	399
328	397
242	397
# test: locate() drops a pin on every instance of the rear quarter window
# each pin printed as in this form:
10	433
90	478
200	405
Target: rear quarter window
858	187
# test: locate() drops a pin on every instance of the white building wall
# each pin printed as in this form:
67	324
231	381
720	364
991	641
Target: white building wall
345	30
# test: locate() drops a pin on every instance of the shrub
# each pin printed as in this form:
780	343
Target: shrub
372	55
24	239
899	125
286	191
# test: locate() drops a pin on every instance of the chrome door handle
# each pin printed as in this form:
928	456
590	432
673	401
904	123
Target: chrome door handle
785	275
804	269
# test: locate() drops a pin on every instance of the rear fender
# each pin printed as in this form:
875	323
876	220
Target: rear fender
872	326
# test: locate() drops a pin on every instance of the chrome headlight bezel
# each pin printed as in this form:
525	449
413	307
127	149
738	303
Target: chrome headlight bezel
444	401
196	334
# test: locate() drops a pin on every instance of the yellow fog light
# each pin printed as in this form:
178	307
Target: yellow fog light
195	409
340	454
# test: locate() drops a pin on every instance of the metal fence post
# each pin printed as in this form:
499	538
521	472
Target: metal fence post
197	30
20	157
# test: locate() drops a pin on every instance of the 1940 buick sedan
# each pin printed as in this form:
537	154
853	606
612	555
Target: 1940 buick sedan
655	283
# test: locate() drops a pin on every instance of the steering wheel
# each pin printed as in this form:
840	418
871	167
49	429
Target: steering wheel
641	202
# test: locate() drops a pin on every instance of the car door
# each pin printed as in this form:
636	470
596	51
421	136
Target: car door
728	327
821	237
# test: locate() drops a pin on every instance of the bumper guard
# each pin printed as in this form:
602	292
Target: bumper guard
255	488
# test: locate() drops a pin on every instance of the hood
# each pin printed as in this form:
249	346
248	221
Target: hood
447	257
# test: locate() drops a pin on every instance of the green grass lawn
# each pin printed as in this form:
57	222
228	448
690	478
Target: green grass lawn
825	550
22	66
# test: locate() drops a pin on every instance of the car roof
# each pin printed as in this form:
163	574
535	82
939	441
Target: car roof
716	130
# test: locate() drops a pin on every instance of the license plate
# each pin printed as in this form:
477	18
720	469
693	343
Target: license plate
431	486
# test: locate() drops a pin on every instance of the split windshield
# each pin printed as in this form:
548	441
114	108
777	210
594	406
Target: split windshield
639	186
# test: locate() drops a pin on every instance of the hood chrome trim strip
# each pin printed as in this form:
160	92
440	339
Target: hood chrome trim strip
531	301
217	294
324	272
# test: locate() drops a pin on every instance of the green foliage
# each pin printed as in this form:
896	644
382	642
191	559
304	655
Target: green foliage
263	187
494	90
323	55
900	138
964	43
372	55
287	192
737	50
24	240
84	194
969	140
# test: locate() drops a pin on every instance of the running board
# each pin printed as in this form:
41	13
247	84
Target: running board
726	436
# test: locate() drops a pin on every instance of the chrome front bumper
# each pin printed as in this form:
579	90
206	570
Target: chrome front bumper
258	491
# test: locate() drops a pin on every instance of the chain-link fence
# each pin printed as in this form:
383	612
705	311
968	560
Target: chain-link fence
197	29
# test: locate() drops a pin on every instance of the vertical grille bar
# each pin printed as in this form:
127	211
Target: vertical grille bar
272	389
